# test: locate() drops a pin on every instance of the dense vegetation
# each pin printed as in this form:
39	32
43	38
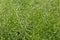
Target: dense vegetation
29	20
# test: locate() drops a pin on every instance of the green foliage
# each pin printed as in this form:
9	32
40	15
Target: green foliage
29	20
